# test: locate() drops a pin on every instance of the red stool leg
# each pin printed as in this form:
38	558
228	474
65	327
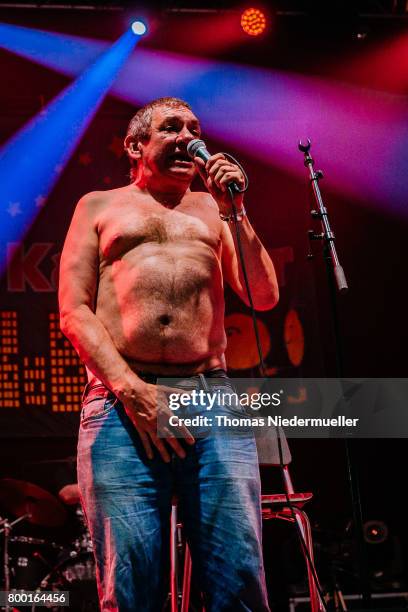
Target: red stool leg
185	602
304	524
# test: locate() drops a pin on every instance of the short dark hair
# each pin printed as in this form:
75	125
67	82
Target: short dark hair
140	124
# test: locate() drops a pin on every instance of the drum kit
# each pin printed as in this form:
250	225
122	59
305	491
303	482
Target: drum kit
40	564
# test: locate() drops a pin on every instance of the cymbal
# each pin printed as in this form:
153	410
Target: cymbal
20	497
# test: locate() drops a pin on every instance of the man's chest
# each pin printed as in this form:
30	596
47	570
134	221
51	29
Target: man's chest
124	228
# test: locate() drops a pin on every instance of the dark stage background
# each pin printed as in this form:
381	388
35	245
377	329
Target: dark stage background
41	377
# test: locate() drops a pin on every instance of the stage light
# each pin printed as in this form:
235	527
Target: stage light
139	28
375	532
253	22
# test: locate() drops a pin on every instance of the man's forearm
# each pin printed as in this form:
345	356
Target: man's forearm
259	266
97	350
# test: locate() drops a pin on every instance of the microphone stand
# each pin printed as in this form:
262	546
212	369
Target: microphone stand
337	281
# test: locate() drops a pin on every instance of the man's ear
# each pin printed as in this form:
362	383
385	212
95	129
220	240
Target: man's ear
132	148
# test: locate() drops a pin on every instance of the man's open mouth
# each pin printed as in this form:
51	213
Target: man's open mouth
180	158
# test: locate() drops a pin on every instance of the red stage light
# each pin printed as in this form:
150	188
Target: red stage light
253	22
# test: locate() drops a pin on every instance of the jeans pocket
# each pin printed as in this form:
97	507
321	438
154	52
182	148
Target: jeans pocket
97	407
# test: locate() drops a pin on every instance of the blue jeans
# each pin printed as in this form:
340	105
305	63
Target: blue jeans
127	503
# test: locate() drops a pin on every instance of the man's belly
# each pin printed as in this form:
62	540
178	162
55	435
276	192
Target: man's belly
164	312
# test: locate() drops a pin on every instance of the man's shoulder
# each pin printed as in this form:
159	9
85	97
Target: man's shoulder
93	198
205	198
95	202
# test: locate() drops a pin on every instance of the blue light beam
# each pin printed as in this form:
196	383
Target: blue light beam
32	161
64	53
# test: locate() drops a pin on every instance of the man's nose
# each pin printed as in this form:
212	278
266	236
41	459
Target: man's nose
184	136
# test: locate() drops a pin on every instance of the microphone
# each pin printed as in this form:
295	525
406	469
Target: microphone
197	148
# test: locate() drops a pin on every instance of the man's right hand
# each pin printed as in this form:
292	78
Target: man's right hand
143	405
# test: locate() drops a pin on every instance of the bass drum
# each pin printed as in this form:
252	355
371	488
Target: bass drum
75	574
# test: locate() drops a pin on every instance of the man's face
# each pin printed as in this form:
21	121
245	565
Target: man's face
165	152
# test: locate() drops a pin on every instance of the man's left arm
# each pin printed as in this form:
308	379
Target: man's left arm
217	173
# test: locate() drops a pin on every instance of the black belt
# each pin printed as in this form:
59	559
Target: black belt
100	391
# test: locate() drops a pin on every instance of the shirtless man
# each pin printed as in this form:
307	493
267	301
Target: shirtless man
141	295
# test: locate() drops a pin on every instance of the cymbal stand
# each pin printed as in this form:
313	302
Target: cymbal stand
6	528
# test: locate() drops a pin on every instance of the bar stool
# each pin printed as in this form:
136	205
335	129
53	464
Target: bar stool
273	507
276	506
